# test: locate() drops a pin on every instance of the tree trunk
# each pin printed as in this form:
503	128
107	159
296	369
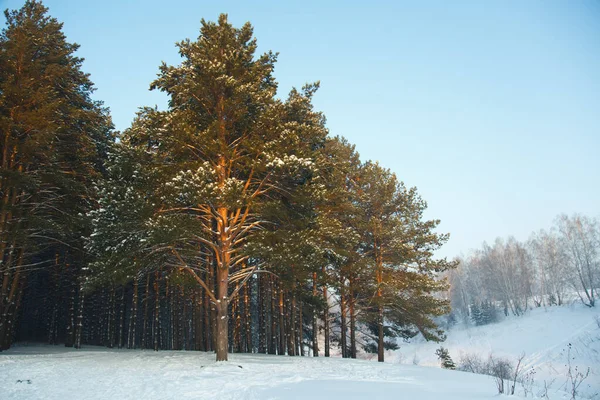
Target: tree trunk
184	325
380	342
56	281
131	336
300	338
273	333
144	343
70	337
109	313
8	317
315	326
282	330
343	327
326	318
155	327
292	323
207	326
379	277
248	318
13	317
351	303
122	306
79	326
222	317
262	313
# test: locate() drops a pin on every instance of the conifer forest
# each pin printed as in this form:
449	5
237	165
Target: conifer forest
232	221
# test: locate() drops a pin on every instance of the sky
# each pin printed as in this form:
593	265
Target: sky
490	108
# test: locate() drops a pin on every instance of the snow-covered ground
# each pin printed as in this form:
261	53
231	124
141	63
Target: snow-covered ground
46	372
542	335
53	372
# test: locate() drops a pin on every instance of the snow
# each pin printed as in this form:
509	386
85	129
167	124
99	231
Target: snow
55	372
542	334
98	373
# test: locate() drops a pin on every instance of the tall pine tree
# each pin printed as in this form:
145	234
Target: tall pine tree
224	146
53	138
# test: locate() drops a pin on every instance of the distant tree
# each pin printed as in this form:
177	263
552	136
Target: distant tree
514	273
551	266
459	295
484	313
507	269
580	236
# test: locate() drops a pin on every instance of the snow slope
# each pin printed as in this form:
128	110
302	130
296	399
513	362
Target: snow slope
54	372
542	334
98	373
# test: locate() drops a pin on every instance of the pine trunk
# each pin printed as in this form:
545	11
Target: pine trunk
273	333
343	328
282	336
326	318
144	343
70	337
222	317
79	326
292	323
112	318
131	336
122	307
207	325
315	326
248	319
380	342
9	312
351	303
262	313
299	340
156	327
379	277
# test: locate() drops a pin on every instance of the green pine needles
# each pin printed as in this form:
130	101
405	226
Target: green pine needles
232	213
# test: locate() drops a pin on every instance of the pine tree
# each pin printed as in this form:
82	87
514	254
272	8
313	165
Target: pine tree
338	218
400	246
53	139
445	359
224	147
476	314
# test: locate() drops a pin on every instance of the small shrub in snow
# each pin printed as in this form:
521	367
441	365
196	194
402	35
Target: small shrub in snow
527	381
505	375
501	370
472	362
445	359
575	377
543	394
416	360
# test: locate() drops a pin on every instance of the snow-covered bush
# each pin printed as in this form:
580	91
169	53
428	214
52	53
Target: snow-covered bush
445	359
505	373
472	362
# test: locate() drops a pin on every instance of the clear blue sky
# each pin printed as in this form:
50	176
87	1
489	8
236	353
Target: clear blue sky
490	108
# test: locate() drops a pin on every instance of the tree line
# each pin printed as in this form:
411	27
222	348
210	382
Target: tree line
550	268
231	221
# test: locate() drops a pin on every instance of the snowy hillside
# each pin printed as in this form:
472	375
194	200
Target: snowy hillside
543	335
46	372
